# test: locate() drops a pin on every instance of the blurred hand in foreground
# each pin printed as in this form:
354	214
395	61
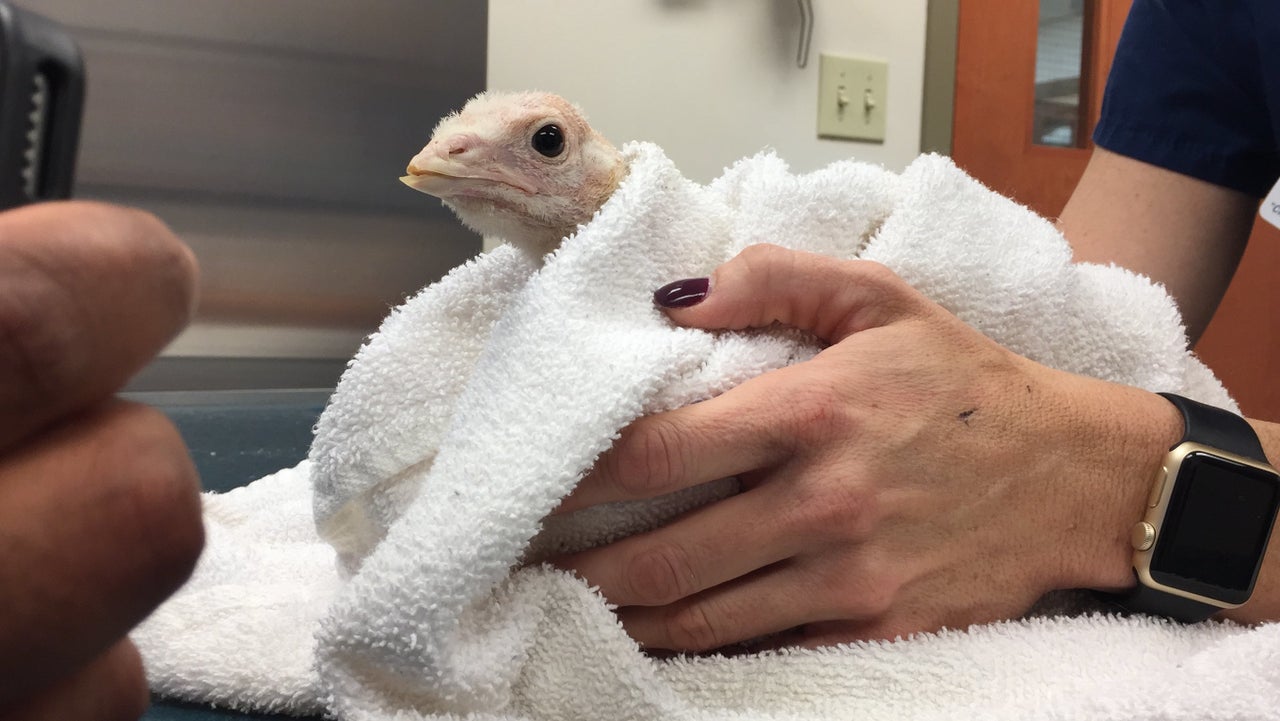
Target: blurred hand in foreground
99	504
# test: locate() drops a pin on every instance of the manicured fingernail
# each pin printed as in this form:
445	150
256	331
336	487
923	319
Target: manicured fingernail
682	293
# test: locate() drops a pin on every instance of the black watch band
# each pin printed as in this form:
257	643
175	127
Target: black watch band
1216	428
1144	599
1212	427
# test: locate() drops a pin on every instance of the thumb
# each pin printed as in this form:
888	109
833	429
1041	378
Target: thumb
764	284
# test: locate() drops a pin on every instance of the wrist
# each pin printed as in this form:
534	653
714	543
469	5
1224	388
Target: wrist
1119	435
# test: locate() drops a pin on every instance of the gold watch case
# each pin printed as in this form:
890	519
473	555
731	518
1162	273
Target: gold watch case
1146	534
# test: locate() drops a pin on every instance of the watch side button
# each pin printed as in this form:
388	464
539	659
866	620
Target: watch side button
1158	487
1142	536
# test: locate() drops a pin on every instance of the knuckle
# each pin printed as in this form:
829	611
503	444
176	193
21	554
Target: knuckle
175	257
130	695
763	260
875	274
873	597
47	321
764	254
38	330
154	498
660	575
130	241
692	628
145	241
838	509
819	416
883	288
651	460
861	588
110	687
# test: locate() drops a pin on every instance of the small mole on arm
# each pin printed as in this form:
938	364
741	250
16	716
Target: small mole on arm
965	415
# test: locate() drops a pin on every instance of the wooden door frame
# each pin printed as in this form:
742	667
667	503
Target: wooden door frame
1243	353
939	107
942	34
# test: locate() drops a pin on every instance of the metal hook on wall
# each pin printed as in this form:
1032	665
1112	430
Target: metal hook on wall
806	32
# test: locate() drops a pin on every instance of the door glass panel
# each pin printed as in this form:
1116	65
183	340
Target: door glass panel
1059	56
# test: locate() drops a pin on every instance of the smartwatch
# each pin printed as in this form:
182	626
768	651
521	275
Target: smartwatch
1208	519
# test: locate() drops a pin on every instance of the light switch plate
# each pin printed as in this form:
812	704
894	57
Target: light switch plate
852	97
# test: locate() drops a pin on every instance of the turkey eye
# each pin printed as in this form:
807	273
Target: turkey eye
549	141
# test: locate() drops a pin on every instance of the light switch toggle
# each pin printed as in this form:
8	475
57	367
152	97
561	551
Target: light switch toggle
843	102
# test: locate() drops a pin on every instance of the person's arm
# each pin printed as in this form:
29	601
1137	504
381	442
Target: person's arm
1185	233
99	505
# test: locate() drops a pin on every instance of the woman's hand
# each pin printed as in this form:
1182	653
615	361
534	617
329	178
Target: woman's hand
913	475
99	505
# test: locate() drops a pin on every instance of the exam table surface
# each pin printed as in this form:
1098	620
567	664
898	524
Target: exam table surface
235	437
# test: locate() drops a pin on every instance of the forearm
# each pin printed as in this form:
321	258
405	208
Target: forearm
1182	232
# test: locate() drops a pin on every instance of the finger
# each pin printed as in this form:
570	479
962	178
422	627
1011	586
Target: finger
767	284
764	607
744	429
113	686
702	549
88	293
99	522
831	633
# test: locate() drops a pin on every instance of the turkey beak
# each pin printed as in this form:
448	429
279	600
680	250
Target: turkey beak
435	171
428	173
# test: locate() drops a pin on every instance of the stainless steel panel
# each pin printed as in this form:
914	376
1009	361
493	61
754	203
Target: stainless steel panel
270	135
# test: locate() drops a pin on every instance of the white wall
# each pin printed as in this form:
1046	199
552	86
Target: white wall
711	81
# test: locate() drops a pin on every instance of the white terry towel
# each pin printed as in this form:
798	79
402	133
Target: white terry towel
481	402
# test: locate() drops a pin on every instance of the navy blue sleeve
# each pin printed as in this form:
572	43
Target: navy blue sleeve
1189	89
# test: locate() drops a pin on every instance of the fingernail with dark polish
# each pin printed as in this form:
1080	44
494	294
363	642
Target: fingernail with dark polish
682	293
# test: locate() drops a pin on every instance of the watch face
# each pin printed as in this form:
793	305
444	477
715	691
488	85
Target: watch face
1215	528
